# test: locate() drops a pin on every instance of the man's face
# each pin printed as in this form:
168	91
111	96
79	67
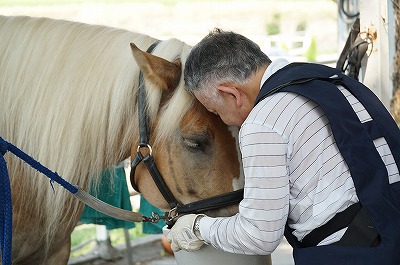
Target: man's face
228	110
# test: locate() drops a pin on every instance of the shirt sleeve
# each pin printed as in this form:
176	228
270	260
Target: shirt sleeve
259	226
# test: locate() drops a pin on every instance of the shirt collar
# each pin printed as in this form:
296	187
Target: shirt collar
272	68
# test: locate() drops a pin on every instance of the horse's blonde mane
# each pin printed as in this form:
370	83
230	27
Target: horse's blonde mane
68	98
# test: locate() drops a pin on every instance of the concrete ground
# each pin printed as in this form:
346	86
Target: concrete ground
149	251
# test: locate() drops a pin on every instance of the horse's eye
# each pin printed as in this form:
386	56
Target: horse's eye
192	143
196	143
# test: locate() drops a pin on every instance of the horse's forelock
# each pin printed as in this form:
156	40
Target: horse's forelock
171	113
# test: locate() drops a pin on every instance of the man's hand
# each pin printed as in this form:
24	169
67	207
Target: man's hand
182	235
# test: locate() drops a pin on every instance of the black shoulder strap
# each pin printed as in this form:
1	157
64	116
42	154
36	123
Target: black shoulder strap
296	76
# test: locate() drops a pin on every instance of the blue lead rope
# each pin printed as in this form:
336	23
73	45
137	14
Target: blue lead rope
5	209
5	194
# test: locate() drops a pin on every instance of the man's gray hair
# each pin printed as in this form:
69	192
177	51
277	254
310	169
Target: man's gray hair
222	56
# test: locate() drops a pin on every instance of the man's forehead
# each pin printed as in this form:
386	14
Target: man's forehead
206	101
201	97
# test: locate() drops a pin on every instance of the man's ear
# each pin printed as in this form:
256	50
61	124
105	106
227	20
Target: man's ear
231	91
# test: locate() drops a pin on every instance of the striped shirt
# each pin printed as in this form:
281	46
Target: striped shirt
293	172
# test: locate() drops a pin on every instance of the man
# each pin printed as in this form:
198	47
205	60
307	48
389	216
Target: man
320	153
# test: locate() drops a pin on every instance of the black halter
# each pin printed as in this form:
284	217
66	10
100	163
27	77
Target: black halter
212	203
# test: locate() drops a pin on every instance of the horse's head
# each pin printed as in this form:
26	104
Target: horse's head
195	152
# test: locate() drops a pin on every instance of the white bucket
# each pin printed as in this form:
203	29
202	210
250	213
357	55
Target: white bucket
211	256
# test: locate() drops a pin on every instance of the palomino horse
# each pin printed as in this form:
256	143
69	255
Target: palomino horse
68	98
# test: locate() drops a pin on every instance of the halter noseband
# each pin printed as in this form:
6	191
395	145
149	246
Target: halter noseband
212	203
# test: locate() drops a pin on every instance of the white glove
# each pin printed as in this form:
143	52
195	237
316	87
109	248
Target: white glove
182	236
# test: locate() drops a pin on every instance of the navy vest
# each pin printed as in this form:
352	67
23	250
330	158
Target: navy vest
354	139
